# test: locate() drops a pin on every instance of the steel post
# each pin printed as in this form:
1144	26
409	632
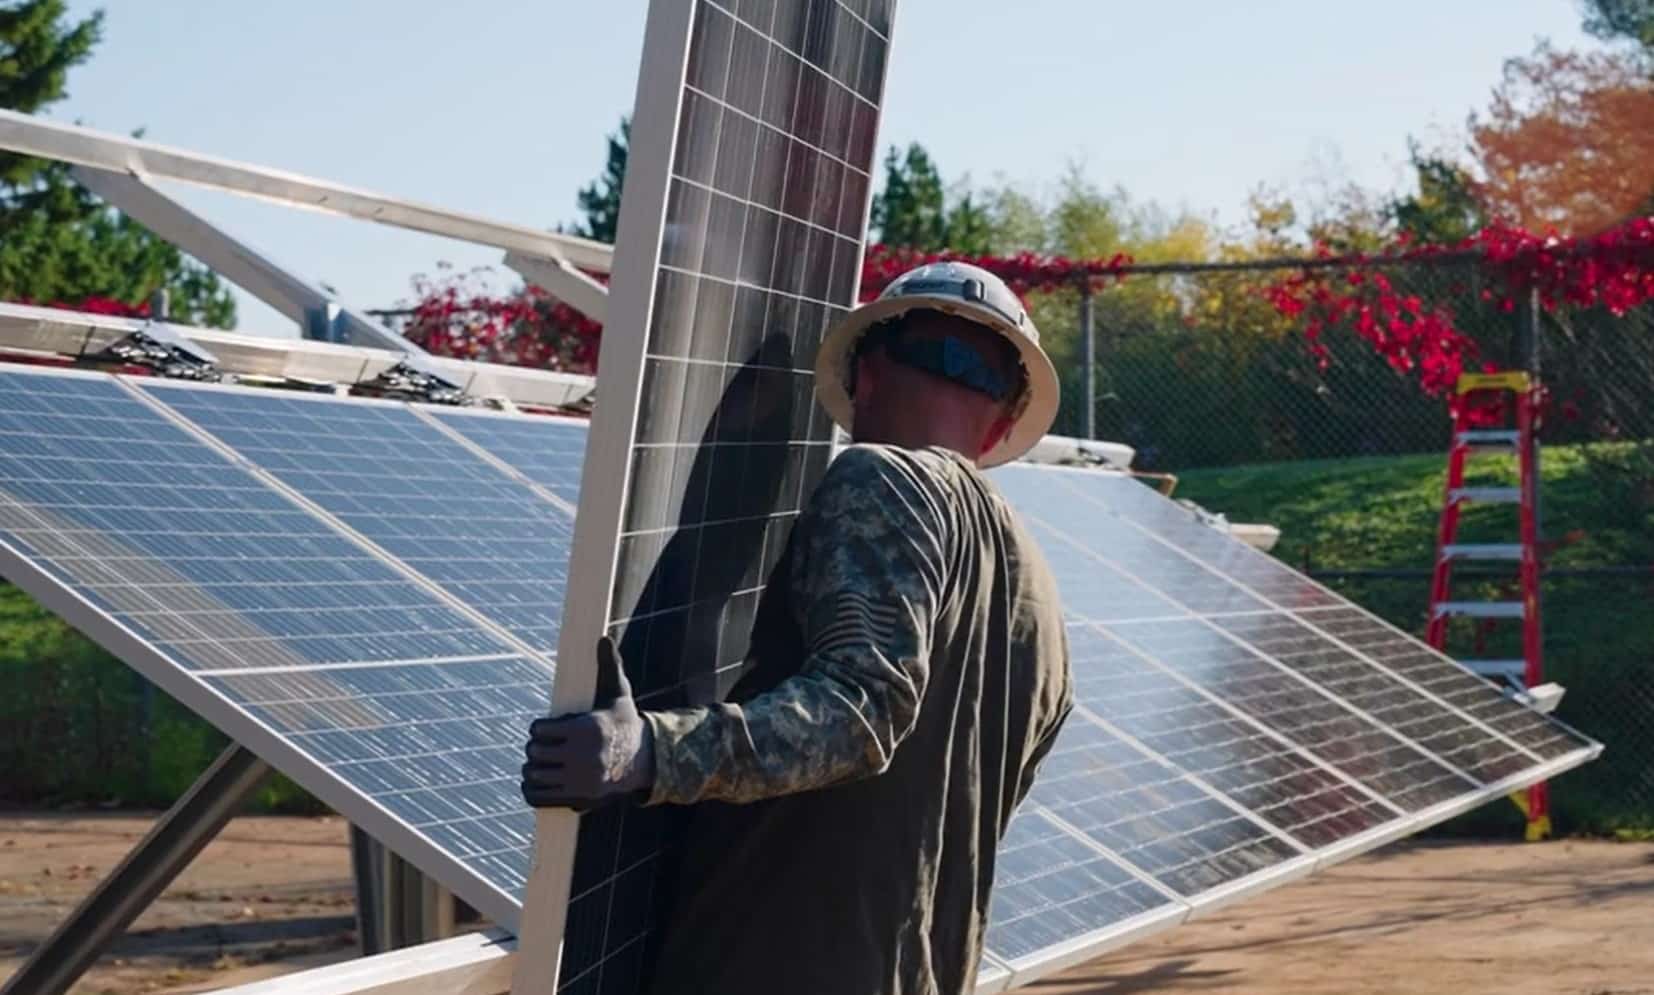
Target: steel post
396	905
169	847
1088	361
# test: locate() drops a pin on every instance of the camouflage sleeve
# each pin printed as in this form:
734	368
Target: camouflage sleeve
868	576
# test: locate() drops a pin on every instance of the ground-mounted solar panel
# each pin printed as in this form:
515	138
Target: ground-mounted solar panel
1236	726
740	240
363	679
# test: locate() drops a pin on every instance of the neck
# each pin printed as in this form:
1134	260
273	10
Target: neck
916	436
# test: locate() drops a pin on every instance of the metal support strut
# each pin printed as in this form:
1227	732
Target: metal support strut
152	865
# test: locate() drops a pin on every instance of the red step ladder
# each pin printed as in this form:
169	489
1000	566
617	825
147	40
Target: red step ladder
1470	439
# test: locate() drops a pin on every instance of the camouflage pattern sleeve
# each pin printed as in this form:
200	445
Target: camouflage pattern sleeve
870	567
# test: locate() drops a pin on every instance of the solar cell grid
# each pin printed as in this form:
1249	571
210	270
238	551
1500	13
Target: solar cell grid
546	450
1175	525
1360	747
1115	547
291	638
1449	682
1197	735
1149	814
1050	888
423	497
1411	714
1092	591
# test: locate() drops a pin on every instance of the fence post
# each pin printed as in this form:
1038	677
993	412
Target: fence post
1088	360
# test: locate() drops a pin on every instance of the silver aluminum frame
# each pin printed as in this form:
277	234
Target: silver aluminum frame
604	475
236	261
564	281
101	150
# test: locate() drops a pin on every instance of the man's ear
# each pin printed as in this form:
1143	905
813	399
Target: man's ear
996	433
864	378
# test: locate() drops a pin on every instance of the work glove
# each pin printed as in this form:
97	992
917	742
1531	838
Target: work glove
584	759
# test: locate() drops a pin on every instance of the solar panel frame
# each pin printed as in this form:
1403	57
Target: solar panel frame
179	680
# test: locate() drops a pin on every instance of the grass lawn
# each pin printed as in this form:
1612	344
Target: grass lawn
1383	512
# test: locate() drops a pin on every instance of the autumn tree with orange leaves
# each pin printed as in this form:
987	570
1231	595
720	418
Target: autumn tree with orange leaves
1568	142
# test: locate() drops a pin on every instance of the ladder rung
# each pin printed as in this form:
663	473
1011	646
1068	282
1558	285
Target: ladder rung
1484	438
1486	495
1480	609
1497	668
1482	551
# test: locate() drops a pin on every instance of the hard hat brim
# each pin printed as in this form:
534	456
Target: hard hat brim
1044	392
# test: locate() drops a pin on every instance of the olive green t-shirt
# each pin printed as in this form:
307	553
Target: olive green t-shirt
908	672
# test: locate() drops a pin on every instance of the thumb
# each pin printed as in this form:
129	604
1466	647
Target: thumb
611	676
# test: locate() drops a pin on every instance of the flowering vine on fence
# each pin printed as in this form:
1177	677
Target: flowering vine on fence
526	327
1611	270
97	305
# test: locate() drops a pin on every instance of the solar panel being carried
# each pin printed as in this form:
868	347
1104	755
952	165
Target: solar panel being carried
740	240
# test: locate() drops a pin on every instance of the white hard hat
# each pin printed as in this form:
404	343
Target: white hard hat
965	291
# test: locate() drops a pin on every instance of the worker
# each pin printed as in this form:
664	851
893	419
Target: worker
908	672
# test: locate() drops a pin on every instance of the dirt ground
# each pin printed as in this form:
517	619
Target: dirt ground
1561	918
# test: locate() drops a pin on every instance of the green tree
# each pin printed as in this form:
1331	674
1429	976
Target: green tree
58	243
913	209
600	200
1632	19
1445	209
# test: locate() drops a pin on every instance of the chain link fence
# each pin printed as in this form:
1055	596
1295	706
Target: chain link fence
1199	371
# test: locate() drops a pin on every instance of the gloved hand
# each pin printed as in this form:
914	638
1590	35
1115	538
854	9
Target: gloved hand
584	759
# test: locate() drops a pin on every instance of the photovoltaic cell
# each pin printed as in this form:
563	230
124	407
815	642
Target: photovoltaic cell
1445	679
1231	754
1104	543
1431	725
354	679
1298	710
1149	814
1258	572
756	251
423	497
1049	887
546	450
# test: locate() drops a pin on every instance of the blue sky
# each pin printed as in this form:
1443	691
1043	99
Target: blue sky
501	107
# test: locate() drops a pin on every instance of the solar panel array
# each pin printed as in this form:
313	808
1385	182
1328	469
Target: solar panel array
740	243
298	569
